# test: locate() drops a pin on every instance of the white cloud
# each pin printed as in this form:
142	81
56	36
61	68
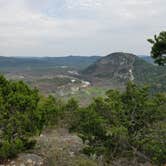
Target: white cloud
86	27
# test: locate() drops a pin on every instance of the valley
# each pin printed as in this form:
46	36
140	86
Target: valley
84	77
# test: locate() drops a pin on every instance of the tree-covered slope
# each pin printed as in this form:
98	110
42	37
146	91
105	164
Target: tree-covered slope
146	73
119	68
126	125
78	62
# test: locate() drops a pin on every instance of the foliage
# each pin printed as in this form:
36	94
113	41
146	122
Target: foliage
71	105
124	123
23	114
129	123
18	116
49	111
158	51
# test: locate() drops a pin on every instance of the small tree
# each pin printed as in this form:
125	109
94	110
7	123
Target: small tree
158	51
18	117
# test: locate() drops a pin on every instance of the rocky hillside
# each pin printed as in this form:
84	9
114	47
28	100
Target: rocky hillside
116	69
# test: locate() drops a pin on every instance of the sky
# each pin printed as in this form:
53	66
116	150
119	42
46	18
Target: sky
79	27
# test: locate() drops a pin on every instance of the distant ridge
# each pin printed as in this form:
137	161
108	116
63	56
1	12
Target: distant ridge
118	68
45	62
148	59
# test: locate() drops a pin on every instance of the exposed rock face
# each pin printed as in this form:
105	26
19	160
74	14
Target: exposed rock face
116	67
115	70
55	146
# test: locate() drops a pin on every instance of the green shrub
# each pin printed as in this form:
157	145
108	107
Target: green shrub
124	123
9	149
18	116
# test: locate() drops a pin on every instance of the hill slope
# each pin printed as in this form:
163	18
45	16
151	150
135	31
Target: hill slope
118	68
78	62
148	59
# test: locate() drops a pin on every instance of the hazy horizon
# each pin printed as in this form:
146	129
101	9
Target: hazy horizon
58	28
68	56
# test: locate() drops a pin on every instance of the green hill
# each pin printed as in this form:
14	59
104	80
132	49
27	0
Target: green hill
117	69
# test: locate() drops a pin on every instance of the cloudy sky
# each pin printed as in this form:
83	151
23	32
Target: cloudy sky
78	27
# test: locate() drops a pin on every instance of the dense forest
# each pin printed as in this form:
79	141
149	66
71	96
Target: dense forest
121	124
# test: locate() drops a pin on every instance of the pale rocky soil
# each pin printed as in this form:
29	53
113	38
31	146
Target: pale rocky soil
55	147
58	147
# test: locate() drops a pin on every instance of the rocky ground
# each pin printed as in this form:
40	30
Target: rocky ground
55	147
58	147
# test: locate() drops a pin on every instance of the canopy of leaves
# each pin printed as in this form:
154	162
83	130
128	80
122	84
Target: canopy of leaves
18	116
131	122
158	51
